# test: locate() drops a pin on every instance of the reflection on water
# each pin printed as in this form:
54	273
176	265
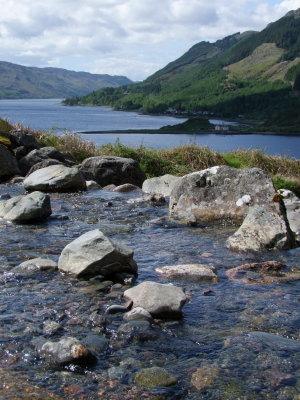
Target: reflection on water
215	350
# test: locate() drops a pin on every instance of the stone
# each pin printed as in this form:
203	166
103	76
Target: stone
92	185
153	377
38	155
66	351
8	164
43	164
219	192
273	341
107	170
205	376
137	313
263	228
162	185
55	178
36	264
292	204
93	253
51	328
21	138
26	208
159	300
193	272
126	187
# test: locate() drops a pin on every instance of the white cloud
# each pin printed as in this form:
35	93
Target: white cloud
127	37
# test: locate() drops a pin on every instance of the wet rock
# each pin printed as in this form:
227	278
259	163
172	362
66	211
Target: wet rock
66	351
5	196
219	192
137	313
274	342
97	320
161	185
192	272
94	253
205	377
96	344
107	170
51	328
158	299
109	188
26	208
155	376
36	156
8	164
263	228
55	178
36	264
116	373
92	185
127	187
115	309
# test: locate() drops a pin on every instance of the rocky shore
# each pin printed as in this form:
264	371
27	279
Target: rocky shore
91	311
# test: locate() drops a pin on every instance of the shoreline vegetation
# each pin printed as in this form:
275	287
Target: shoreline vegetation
181	160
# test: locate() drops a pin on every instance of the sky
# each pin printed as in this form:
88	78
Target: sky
133	38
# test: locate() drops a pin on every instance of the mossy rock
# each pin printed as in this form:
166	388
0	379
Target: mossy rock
5	141
155	376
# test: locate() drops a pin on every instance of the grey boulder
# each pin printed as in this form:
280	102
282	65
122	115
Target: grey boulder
8	164
55	178
158	299
107	170
93	253
162	185
219	192
26	208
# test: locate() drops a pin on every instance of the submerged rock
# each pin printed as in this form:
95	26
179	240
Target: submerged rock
26	208
158	299
55	178
205	376
107	170
155	376
193	272
36	264
93	253
161	185
219	192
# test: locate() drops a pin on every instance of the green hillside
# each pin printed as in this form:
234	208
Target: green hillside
256	74
17	81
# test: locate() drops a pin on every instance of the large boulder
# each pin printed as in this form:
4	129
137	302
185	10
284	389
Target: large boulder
162	185
43	164
26	208
55	178
263	228
93	253
38	155
107	170
219	192
158	299
8	164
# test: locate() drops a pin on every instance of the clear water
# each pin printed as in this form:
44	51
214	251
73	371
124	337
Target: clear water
50	114
217	332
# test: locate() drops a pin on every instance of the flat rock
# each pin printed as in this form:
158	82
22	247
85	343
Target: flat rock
36	264
219	192
93	253
162	185
26	208
194	272
158	299
153	377
55	178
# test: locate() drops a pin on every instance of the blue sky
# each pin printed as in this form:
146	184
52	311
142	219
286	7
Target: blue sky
123	37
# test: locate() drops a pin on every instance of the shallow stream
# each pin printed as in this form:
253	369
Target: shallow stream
244	339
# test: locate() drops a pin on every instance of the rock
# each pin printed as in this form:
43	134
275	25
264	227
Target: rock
8	164
67	351
95	343
261	273
109	188
21	138
205	377
162	185
36	264
137	313
158	299
274	342
116	373
43	164
26	208
127	187
292	204
115	309
107	170
193	272
155	376
93	253
36	156
157	199
20	152
16	180
219	192
56	178
92	185
263	228
51	328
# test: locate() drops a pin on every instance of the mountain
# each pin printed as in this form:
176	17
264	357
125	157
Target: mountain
18	81
256	74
